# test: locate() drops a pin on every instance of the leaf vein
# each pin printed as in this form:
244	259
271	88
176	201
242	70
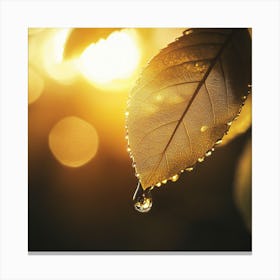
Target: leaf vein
211	103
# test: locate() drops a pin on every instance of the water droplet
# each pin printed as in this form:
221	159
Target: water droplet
187	32
219	142
201	159
249	85
126	114
164	181
182	171
158	184
142	199
133	164
175	178
126	137
128	149
203	128
229	123
213	149
208	153
189	169
243	98
137	175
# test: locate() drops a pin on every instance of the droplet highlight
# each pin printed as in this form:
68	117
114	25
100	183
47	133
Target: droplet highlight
201	159
189	169
187	32
142	199
175	178
208	153
219	141
203	128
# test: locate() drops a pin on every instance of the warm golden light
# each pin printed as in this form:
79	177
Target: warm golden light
243	122
45	51
115	58
73	141
55	66
35	85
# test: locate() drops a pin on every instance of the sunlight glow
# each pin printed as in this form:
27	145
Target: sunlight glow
73	141
54	65
35	85
115	58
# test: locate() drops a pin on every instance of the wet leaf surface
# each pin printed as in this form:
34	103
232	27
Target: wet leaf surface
186	100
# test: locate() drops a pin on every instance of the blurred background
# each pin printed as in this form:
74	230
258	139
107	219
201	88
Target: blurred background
80	177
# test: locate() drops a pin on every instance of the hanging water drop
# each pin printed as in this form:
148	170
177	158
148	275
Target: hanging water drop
142	199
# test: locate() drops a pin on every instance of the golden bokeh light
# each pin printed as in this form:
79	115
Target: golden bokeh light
55	66
35	85
110	61
46	48
73	141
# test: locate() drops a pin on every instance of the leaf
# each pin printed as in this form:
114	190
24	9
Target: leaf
184	99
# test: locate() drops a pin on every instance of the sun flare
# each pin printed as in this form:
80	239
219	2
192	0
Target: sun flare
115	58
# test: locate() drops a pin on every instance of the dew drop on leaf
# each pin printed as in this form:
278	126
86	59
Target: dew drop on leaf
142	199
208	153
218	142
175	178
201	159
189	169
203	128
